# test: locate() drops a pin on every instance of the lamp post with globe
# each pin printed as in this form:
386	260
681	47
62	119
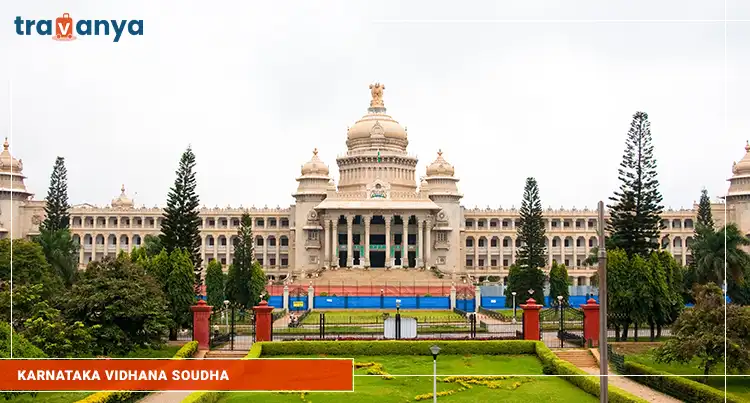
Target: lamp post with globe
514	306
435	350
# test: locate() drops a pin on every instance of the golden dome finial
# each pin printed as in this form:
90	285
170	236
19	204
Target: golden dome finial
122	189
747	146
6	145
315	151
440	152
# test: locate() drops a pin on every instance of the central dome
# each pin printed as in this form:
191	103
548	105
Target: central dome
376	123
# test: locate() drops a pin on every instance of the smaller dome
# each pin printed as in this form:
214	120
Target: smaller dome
7	162
315	166
743	167
331	185
123	201
440	167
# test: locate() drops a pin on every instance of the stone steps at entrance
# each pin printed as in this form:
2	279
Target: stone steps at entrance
377	276
579	358
226	354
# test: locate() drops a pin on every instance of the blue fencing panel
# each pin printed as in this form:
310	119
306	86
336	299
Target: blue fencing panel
465	304
493	302
276	301
434	303
297	308
329	302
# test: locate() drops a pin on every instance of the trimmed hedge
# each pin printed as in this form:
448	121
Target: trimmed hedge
590	384
396	347
678	387
186	351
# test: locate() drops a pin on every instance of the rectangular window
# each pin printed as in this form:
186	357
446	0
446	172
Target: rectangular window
505	262
493	262
284	262
468	262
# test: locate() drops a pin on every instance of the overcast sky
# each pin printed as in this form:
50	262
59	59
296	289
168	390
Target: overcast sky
255	86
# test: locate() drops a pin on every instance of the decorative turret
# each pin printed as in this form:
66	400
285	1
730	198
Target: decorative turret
11	174
440	179
314	179
122	202
738	196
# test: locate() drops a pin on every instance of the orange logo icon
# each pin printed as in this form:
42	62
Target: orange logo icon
64	28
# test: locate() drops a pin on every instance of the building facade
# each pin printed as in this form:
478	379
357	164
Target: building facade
382	214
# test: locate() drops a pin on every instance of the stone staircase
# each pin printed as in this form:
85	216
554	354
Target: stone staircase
226	354
376	276
579	358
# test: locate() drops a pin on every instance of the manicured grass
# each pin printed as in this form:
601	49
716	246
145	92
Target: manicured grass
338	329
376	316
164	352
737	385
404	389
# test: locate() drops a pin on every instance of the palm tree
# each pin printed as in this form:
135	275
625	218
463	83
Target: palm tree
709	255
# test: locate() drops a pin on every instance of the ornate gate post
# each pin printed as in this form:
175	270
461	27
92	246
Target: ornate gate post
591	322
531	319
201	332
263	321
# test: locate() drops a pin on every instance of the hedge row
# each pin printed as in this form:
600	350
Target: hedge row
397	347
679	387
185	351
554	365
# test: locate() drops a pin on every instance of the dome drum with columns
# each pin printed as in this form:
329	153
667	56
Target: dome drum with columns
381	215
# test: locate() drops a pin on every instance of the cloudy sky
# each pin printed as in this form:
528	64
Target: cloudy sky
506	89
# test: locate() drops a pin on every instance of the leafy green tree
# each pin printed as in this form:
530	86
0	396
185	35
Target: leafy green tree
712	249
635	214
160	266
29	266
215	279
181	225
48	330
243	278
21	349
699	333
674	274
61	252
521	281
126	303
57	216
152	245
179	291
558	283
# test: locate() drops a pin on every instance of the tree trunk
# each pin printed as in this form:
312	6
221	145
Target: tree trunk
658	331
635	331
706	371
625	331
172	334
617	332
653	329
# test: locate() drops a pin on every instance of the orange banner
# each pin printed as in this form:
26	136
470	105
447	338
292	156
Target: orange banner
263	374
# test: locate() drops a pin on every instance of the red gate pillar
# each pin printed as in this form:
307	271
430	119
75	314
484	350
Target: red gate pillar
201	313
263	321
591	322
531	319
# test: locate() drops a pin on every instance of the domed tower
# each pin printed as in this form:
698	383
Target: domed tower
738	195
122	202
314	184
376	150
442	188
13	197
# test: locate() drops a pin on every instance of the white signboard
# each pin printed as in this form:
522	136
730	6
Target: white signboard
408	328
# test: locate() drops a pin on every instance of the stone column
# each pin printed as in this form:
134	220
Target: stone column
349	241
81	253
263	321
335	243
265	251
367	240
405	243
531	319
574	263
278	250
388	262
591	322
477	298
203	247
428	242
420	242
476	252
327	242
310	297
285	298
201	313
216	250
453	297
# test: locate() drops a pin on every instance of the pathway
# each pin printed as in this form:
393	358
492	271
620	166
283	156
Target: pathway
171	396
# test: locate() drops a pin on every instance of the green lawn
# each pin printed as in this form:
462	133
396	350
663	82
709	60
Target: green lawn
376	316
70	397
737	385
339	329
374	388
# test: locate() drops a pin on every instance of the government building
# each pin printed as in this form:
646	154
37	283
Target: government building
381	215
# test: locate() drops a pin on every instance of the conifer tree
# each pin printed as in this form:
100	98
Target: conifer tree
215	285
705	219
180	228
635	214
243	286
531	258
558	283
56	208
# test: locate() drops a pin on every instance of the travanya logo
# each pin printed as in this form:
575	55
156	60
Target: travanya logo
65	30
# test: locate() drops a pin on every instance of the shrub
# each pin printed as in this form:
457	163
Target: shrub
676	386
401	347
187	351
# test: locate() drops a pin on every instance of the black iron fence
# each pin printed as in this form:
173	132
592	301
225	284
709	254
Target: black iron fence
430	325
561	327
232	328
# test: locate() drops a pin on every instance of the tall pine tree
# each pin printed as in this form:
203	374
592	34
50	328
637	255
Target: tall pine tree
57	207
531	258
705	219
635	214
240	273
180	228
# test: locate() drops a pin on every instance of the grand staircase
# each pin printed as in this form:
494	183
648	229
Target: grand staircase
579	358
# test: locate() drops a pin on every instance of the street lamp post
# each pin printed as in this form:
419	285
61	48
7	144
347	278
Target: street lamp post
226	313
434	350
514	306
560	331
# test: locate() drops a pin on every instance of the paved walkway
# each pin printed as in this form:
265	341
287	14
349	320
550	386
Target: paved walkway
631	386
171	397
